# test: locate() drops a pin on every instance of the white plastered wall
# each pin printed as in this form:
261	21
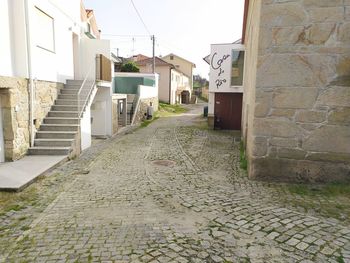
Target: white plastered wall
50	65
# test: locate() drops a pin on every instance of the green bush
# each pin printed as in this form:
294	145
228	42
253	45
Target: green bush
129	67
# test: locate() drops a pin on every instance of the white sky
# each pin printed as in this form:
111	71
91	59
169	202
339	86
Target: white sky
183	27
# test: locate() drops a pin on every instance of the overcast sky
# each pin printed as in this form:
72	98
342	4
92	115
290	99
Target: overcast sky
183	27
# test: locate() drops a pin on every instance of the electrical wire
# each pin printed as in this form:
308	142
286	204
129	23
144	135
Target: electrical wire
132	2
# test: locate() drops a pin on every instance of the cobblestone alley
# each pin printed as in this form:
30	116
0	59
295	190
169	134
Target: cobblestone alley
170	192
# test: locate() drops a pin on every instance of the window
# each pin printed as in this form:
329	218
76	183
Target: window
171	57
45	34
237	67
172	76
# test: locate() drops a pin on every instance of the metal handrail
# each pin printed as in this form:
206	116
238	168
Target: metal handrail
81	110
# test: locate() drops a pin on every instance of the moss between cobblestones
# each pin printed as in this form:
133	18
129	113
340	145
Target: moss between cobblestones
340	259
329	190
243	160
309	197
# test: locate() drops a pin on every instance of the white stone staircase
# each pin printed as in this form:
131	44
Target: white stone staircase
60	127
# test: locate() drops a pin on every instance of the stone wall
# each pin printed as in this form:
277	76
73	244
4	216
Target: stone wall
114	115
298	120
15	116
15	110
45	95
144	103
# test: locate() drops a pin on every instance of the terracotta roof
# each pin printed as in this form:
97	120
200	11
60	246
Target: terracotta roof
138	57
159	62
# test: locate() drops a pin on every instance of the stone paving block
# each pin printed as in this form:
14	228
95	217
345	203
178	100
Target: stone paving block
202	208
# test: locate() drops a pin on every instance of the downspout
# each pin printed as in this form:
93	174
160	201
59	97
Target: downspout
30	73
170	86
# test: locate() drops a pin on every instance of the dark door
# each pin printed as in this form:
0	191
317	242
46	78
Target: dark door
228	111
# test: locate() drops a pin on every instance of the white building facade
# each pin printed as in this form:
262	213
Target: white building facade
43	44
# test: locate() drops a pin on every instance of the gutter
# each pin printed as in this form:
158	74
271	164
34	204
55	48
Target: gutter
30	73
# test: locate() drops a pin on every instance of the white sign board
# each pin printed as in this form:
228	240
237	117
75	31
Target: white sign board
223	58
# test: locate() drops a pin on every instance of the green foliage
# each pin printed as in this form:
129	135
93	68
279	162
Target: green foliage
340	259
129	67
329	190
167	109
242	158
203	99
145	123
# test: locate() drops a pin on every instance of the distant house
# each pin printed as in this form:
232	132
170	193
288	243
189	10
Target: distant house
174	85
182	65
117	62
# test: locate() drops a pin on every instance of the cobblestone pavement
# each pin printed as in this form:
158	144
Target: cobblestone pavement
170	192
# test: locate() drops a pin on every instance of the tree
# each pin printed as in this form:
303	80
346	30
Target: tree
129	67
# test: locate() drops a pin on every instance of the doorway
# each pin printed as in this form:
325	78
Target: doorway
228	111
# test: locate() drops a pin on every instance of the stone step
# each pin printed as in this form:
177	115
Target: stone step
59	127
55	135
49	150
67	102
53	142
63	114
64	108
61	120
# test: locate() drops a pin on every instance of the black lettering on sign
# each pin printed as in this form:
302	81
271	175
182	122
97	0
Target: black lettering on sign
216	65
219	82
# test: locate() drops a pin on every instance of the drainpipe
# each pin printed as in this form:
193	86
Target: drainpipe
169	86
30	73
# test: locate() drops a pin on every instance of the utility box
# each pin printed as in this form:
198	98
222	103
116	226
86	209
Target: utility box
205	111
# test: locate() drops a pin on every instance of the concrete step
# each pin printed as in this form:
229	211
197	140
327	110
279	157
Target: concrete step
67	96
55	135
61	120
72	87
53	142
74	92
67	102
77	82
78	85
59	127
49	150
64	108
63	114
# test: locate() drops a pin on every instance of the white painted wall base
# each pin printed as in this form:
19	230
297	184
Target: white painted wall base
85	130
101	112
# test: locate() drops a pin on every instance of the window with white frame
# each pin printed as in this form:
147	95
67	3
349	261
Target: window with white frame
45	33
